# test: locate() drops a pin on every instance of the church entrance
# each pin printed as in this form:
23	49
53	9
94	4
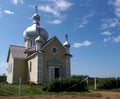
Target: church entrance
54	69
54	72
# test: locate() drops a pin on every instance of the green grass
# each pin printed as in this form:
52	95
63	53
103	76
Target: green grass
9	88
32	90
25	89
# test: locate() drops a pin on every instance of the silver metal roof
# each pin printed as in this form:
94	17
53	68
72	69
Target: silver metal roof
34	30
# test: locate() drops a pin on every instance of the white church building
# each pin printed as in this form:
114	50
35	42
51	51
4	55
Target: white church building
41	59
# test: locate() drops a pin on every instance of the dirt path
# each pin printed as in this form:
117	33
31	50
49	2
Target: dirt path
110	95
105	95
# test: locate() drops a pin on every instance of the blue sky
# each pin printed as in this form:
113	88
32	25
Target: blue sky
93	27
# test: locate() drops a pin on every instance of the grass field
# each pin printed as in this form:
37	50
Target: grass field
32	90
29	91
35	92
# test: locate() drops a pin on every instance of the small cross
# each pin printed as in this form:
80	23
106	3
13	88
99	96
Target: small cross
36	9
66	36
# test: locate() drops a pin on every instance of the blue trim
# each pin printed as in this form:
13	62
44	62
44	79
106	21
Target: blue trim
54	62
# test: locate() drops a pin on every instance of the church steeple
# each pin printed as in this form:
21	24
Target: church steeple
36	17
66	44
68	56
32	32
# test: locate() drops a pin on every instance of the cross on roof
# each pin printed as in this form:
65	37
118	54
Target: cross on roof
36	9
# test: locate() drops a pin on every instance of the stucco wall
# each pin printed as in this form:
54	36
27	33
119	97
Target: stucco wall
33	73
19	70
10	69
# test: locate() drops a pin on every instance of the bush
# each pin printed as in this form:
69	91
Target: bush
69	84
109	83
2	78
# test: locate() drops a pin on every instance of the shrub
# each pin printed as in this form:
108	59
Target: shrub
69	84
109	83
2	78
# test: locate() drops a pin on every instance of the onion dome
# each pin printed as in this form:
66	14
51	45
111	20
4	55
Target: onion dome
66	43
36	18
34	30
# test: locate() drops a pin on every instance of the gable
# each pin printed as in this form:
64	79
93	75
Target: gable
53	57
54	42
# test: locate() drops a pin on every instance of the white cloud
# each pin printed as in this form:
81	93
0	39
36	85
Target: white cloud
49	9
116	39
62	4
107	33
56	21
8	12
107	39
116	4
113	39
17	1
84	20
55	8
110	23
83	23
80	44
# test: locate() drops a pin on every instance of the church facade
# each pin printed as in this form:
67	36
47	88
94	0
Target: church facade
41	59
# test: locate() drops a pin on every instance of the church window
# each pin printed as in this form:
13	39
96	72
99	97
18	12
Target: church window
54	50
30	66
32	43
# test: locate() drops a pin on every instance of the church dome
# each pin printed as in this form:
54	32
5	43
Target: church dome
34	30
36	18
66	43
